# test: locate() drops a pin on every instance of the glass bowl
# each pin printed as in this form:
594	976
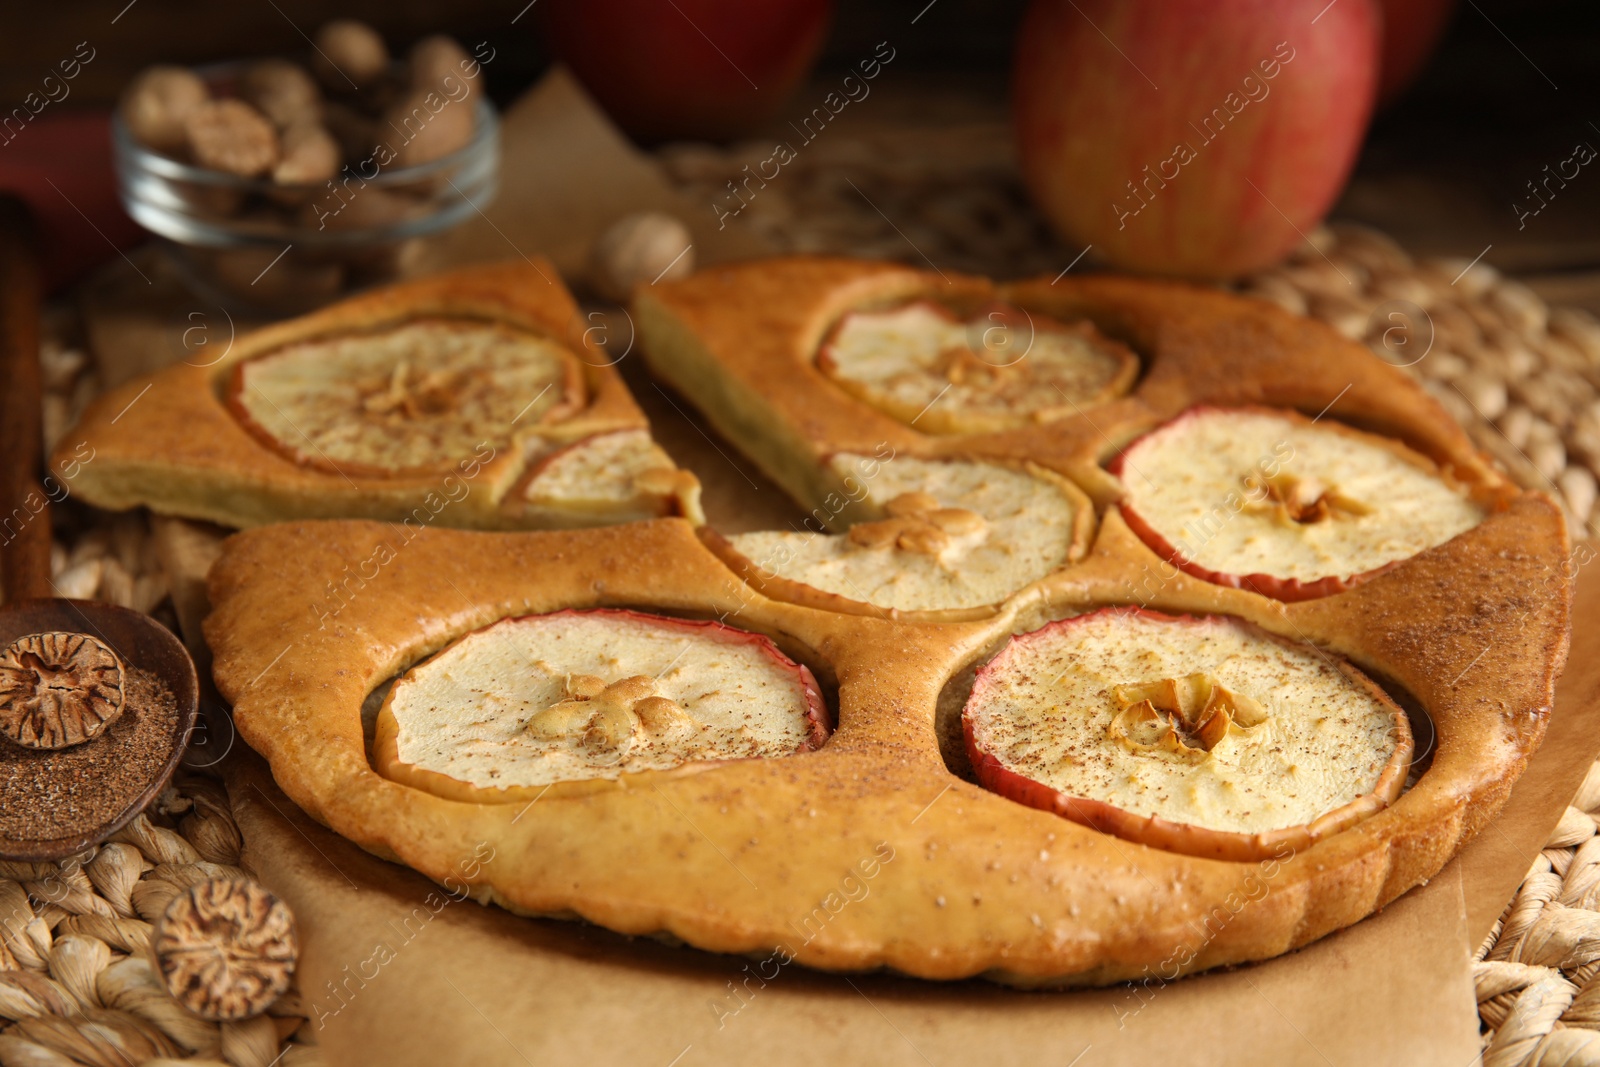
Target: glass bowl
260	245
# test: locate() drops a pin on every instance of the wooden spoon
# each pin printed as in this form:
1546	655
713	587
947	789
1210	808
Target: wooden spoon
138	640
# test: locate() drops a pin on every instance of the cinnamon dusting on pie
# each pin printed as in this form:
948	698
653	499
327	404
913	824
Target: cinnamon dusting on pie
408	393
418	396
577	695
1207	721
1285	501
954	534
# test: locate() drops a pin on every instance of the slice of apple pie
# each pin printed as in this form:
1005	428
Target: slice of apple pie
477	398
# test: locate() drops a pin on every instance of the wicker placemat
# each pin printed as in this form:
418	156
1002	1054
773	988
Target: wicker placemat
77	983
1538	997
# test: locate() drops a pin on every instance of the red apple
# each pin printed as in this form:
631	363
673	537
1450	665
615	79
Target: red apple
1411	31
1197	138
60	164
697	69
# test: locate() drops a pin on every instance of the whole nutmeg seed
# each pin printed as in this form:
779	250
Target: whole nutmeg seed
281	90
232	136
641	249
357	134
349	55
309	156
158	103
433	59
425	126
226	948
58	689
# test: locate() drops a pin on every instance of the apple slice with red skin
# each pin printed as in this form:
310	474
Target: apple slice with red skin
1153	830
663	503
1277	587
385	746
1006	337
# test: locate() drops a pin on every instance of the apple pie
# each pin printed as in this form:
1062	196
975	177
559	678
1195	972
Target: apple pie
477	398
1067	737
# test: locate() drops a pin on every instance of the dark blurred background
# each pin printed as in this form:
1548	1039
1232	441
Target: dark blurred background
1512	88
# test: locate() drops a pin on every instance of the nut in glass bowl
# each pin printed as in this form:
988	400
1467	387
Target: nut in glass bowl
274	223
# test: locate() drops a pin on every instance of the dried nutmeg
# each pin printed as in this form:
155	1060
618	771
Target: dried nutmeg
281	90
158	102
232	136
425	126
58	689
434	59
310	155
639	249
350	54
226	949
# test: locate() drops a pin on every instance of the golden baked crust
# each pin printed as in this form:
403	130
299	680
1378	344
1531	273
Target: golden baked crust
748	857
170	441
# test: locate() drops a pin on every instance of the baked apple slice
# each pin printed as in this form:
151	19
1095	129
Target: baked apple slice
1201	735
945	538
527	702
605	478
414	398
1001	369
1290	507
